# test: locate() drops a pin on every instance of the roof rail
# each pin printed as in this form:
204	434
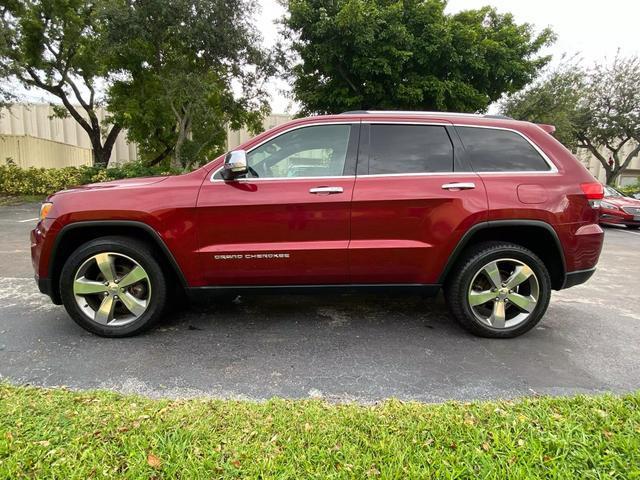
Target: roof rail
418	112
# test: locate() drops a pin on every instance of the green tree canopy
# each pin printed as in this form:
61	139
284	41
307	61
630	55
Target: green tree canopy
595	109
390	54
55	46
186	70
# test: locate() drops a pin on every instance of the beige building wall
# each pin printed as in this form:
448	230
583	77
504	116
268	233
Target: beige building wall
238	137
36	121
629	176
26	151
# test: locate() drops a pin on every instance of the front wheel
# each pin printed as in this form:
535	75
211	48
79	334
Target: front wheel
113	287
499	290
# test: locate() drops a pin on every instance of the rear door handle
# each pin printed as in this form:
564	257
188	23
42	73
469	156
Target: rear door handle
459	186
325	190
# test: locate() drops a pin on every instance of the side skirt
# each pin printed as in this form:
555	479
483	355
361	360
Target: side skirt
427	290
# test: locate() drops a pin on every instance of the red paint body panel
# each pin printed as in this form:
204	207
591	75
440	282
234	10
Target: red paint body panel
403	229
274	216
380	229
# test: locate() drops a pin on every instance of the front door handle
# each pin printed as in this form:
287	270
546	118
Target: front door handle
459	186
325	190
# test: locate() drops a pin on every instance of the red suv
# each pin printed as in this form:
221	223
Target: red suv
494	211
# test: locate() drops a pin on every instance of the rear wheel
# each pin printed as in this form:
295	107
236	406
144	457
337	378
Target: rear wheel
113	286
500	290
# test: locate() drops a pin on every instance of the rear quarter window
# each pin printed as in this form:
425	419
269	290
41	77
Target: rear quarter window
493	150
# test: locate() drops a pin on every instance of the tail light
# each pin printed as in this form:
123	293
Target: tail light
594	192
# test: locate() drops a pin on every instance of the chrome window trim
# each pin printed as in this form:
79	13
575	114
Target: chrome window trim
552	166
408	122
423	174
425	113
296	127
271	179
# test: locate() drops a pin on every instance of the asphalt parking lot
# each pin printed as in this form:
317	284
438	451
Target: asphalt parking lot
362	348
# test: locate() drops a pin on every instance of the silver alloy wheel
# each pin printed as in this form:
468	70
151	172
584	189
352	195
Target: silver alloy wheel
112	289
503	293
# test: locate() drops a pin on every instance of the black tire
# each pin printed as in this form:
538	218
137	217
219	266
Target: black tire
136	250
633	227
472	261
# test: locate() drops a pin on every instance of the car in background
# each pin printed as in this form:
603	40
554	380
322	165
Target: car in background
618	209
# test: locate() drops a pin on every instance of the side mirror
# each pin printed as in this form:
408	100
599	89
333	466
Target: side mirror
235	165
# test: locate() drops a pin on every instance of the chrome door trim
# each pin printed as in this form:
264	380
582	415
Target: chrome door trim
459	186
326	190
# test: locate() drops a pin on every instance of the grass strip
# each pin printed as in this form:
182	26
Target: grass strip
57	433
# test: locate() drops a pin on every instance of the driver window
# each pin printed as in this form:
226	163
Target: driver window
316	151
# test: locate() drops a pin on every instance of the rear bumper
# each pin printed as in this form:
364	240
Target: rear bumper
582	247
572	279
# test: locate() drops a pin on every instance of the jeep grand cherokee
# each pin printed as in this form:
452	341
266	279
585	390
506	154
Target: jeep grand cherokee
494	211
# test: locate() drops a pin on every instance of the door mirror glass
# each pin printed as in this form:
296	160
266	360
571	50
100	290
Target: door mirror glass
235	165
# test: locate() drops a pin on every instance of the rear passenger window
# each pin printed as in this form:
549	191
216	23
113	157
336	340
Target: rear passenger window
492	150
409	149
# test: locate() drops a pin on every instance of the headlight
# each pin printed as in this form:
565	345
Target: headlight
45	208
607	205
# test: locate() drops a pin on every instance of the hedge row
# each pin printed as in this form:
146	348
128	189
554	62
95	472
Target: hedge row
44	181
630	189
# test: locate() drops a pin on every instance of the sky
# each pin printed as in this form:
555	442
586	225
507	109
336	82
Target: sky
593	29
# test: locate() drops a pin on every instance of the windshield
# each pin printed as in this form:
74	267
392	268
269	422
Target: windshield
611	192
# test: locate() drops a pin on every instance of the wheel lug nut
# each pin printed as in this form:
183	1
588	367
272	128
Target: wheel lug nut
115	297
117	280
106	284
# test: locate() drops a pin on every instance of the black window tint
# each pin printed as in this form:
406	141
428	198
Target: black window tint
410	149
492	150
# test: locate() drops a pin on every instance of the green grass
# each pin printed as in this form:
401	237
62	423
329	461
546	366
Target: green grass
6	200
55	433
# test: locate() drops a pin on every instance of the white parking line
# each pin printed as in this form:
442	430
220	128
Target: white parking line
28	220
629	231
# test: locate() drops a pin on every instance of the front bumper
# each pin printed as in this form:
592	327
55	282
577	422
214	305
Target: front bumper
618	218
40	252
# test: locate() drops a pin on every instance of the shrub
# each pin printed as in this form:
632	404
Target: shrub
630	189
42	181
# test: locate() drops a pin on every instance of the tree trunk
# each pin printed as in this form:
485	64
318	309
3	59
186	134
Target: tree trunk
161	156
611	176
176	159
101	157
102	152
184	129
